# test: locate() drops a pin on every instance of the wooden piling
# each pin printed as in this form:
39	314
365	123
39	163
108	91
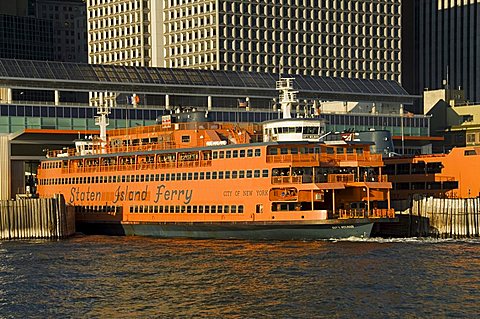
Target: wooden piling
29	218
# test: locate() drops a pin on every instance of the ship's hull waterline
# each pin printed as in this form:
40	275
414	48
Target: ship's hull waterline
254	231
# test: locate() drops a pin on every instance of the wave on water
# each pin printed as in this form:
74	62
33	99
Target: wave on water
421	240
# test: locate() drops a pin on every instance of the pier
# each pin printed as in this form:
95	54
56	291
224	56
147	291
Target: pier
31	218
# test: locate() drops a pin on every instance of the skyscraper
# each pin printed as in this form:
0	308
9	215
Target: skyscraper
314	37
443	42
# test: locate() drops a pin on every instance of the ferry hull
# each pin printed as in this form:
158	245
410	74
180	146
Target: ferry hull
255	231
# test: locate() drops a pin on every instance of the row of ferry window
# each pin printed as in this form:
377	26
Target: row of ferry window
236	153
340	150
52	165
189	209
157	177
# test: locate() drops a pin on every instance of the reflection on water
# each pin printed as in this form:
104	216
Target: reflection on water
98	276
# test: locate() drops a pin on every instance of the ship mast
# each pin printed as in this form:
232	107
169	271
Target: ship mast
103	110
288	97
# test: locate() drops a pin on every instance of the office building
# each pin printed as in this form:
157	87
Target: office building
356	39
442	46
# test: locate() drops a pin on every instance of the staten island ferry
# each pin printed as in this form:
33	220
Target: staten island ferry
200	179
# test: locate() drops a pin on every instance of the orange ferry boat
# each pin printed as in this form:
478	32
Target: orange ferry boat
220	180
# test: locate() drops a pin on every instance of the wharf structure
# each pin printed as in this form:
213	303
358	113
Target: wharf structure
229	96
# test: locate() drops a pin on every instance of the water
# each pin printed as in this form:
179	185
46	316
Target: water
134	277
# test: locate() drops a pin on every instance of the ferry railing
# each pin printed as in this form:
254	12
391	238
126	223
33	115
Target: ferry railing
286	179
363	213
341	178
323	157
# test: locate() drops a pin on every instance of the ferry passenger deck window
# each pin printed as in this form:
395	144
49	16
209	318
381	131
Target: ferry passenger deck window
185	138
330	150
221	154
207	209
242	153
294	150
249	174
240	209
257	152
228	154
227	174
214	175
202	175
256	173
234	209
200	209
184	176
179	176
359	151
241	174
214	155
213	209
284	150
234	174
250	153
189	176
273	151
235	153
265	173
207	175
195	176
226	209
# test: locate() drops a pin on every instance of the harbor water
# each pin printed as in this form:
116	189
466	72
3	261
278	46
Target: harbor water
136	277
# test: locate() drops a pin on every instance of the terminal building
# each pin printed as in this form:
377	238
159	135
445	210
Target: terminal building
29	127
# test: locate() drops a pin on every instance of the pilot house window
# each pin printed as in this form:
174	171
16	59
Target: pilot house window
185	138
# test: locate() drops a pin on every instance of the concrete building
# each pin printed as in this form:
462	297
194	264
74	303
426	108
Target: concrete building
453	117
441	46
70	27
356	39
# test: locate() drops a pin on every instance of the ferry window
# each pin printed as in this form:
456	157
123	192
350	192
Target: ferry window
349	150
434	167
202	175
256	173
249	174
359	151
167	177
240	209
213	209
469	152
207	209
215	155
257	152
155	209
184	209
235	153
221	154
214	175
147	178
179	176
177	209
242	153
250	153
228	154
418	185
190	176
160	209
195	176
172	209
302	150
142	178
340	150
330	150
131	209
200	209
141	209
284	150
234	174
137	178
220	175
96	179
219	209
189	209
123	178
226	209
185	138
227	174
157	177
234	209
294	150
241	174
207	175
132	178
265	173
272	151
172	176
184	176
195	209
